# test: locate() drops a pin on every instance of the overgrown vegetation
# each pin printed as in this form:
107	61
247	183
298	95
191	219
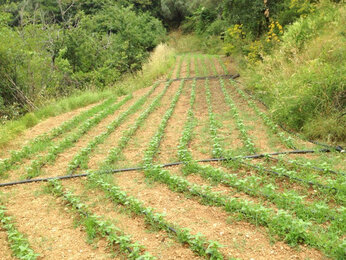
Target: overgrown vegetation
303	80
51	49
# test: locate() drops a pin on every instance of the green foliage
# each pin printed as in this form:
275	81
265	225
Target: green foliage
50	49
306	84
19	244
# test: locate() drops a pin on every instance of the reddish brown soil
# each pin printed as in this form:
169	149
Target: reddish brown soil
113	140
229	135
183	72
192	67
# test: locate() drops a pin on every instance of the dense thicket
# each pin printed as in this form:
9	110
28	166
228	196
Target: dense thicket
51	48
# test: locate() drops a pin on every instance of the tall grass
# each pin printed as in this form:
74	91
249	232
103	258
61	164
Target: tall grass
303	81
161	59
187	43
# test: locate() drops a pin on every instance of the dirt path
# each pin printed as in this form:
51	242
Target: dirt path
201	143
168	146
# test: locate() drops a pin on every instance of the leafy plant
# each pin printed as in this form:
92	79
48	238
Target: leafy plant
18	243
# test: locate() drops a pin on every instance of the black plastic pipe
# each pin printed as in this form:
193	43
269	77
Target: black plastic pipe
227	76
256	156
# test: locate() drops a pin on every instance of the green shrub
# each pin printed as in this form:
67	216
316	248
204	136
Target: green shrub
303	81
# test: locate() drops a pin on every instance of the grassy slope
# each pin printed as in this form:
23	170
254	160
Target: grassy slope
160	61
303	82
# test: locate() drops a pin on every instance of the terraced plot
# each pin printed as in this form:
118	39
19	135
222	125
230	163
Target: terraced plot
227	206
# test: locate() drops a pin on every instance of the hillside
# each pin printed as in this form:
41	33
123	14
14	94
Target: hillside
275	206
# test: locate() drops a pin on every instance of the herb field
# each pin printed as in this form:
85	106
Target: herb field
288	206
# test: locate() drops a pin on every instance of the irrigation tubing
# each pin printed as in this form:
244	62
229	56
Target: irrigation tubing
226	76
336	148
68	177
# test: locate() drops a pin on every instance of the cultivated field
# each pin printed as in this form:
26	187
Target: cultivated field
273	207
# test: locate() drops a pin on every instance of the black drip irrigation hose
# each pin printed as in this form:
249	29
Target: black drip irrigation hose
68	177
226	76
337	148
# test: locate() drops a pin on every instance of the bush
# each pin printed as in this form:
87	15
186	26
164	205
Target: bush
303	81
41	60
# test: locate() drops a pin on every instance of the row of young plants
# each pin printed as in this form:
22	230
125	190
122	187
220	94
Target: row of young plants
181	60
18	243
155	141
41	142
115	153
188	67
197	243
197	70
81	159
170	75
323	171
247	141
150	168
217	150
256	186
280	223
96	226
285	140
324	167
333	188
34	169
184	154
